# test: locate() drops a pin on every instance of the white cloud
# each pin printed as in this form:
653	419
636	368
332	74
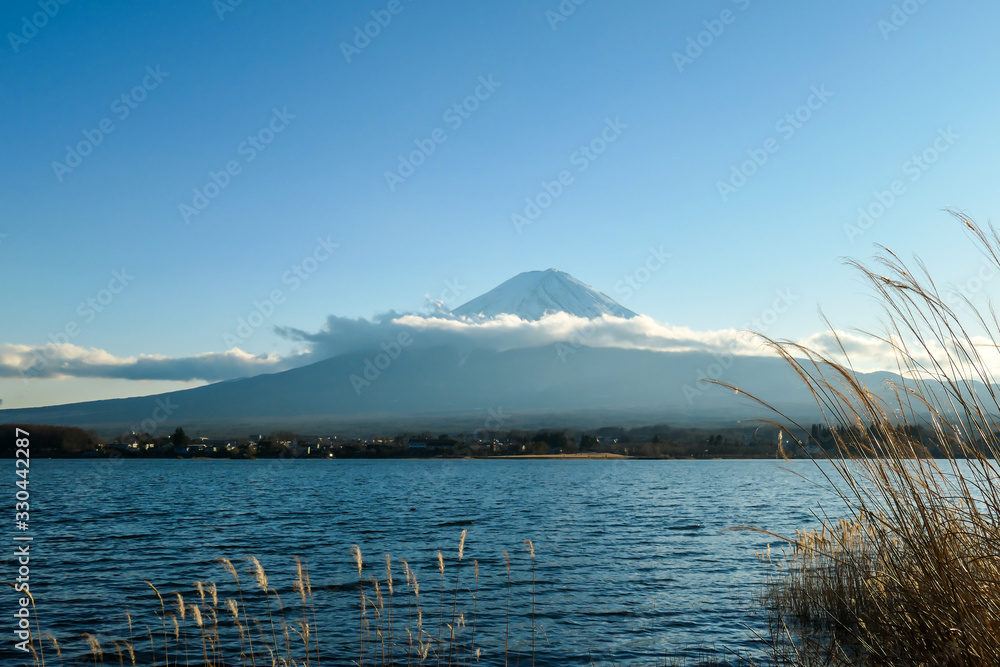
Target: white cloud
345	335
867	353
68	360
641	332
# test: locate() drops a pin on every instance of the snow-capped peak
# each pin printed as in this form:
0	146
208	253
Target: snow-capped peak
532	294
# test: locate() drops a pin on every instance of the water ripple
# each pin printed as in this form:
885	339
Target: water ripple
630	562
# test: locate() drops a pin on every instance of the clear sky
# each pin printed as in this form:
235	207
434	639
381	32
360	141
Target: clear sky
308	114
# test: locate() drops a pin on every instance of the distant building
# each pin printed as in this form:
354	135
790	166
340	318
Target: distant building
433	443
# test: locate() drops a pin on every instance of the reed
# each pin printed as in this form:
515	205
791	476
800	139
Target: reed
55	644
196	616
95	647
440	560
304	589
388	581
531	552
473	651
261	578
454	606
231	569
356	554
506	634
181	629
410	589
911	573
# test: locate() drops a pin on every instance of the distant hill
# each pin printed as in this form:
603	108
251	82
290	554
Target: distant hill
438	387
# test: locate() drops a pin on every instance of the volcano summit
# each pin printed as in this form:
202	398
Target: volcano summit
533	294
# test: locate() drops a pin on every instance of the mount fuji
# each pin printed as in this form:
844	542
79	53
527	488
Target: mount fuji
455	383
533	294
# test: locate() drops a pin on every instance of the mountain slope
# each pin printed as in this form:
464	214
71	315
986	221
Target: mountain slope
532	294
440	386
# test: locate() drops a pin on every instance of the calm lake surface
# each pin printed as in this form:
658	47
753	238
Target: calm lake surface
630	562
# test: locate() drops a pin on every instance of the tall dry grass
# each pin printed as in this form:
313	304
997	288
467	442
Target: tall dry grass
911	574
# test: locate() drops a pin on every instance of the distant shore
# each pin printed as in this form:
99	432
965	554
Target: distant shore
578	455
659	441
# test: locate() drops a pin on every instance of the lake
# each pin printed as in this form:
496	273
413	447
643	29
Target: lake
630	563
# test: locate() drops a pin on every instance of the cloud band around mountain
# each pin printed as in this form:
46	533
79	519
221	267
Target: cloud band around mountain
341	335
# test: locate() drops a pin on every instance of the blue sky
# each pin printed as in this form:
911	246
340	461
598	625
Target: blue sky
200	80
